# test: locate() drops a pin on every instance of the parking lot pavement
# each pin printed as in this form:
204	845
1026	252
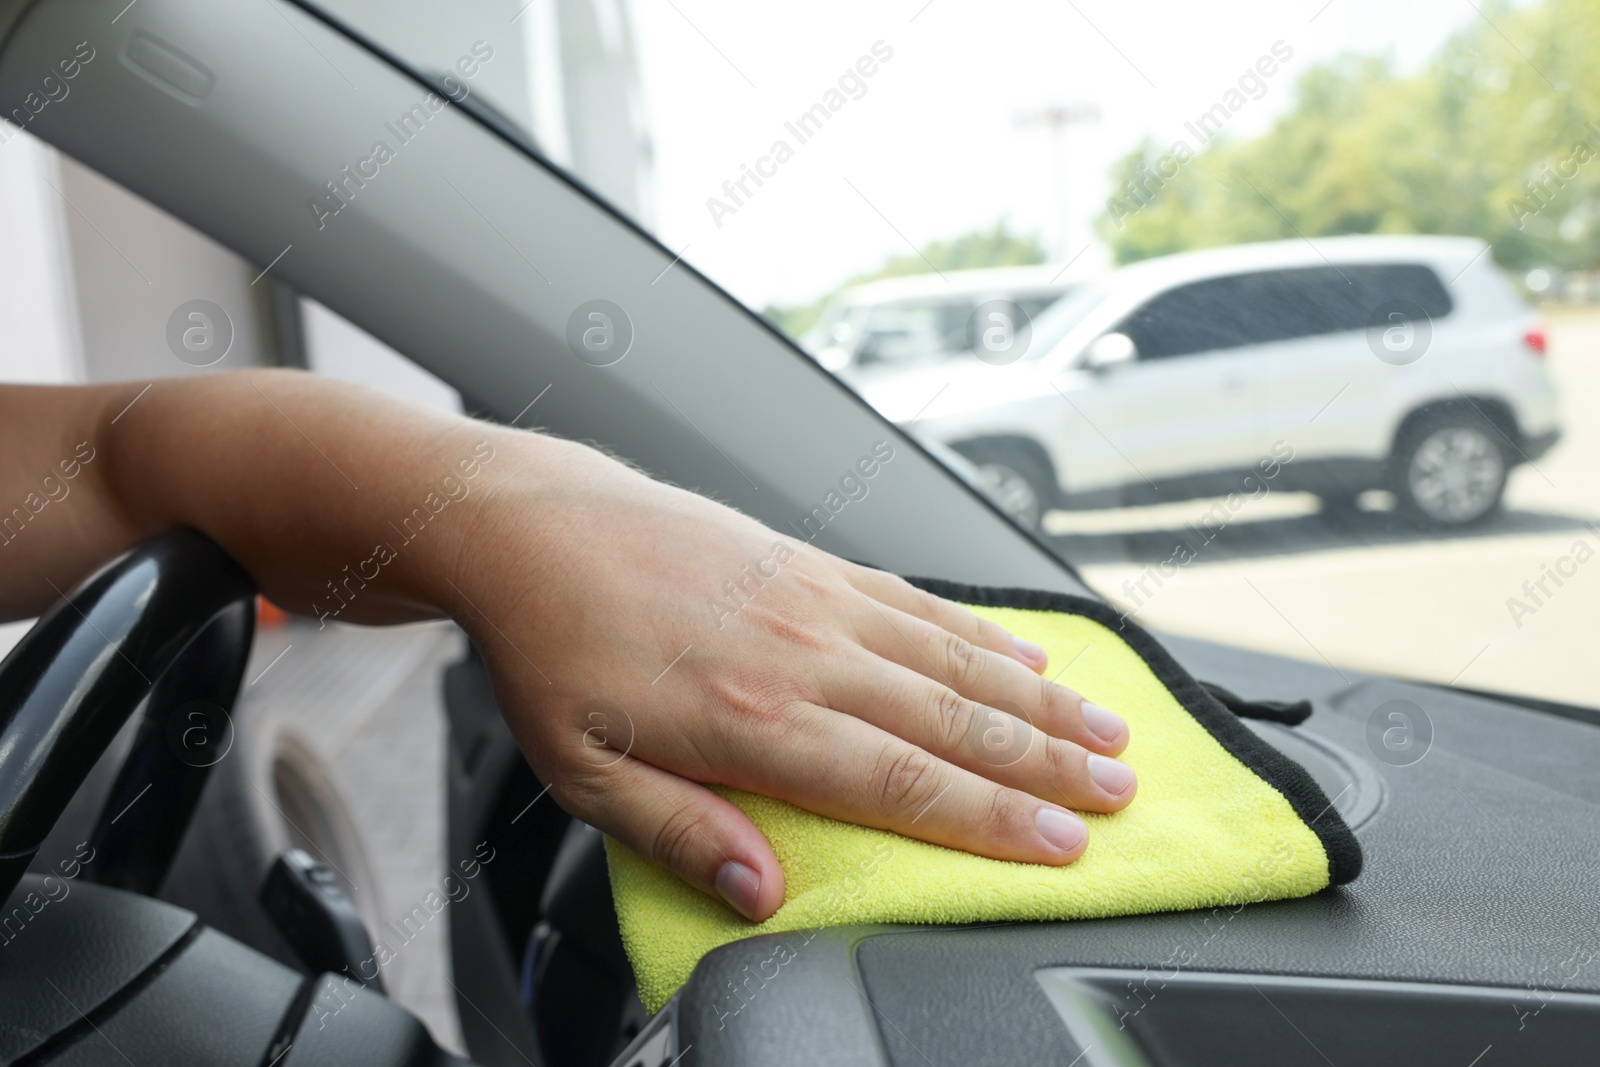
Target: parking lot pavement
1370	594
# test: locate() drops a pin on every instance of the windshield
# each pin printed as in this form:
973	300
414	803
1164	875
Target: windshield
1349	413
1063	317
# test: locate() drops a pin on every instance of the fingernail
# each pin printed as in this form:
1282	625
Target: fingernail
739	886
1111	775
1108	726
1030	651
1061	829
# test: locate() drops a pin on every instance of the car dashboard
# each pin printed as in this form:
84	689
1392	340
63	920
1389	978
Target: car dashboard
1470	937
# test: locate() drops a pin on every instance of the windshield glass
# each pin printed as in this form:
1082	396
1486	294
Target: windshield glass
1350	415
1062	317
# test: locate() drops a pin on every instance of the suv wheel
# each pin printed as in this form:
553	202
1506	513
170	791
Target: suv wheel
1021	484
1451	471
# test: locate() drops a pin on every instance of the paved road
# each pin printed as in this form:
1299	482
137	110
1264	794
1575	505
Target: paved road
1374	595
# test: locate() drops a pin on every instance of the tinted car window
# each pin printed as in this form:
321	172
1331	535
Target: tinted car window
1280	305
953	318
898	333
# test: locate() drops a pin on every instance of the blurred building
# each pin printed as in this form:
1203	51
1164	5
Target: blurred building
92	274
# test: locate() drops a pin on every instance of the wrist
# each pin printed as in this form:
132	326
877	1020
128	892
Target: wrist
518	513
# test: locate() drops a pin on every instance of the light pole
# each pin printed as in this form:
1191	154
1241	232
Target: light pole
1056	118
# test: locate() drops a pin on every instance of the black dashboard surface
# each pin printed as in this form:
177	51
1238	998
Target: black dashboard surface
1481	870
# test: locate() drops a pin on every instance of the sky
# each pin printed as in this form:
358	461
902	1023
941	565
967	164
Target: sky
935	143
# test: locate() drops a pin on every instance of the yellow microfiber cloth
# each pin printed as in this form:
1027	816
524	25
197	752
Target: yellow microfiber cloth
1221	818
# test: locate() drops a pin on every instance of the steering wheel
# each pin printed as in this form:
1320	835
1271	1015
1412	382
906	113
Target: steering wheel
171	619
103	973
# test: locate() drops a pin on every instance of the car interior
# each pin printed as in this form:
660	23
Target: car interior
1467	939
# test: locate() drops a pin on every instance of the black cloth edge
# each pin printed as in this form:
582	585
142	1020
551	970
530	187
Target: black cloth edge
1286	712
1271	766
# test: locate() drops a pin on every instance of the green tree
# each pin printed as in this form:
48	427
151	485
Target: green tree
1497	136
994	247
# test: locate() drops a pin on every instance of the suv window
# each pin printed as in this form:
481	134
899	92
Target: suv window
1032	306
900	333
1278	305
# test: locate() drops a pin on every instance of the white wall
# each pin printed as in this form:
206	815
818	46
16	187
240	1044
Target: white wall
133	266
39	338
340	349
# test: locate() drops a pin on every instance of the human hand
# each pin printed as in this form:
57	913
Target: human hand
600	600
644	640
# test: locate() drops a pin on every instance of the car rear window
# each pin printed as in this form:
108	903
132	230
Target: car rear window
909	331
1279	305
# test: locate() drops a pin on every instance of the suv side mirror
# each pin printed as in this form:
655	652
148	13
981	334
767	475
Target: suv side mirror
833	358
1110	350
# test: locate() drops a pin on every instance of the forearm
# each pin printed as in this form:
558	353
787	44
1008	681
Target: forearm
642	640
55	522
341	502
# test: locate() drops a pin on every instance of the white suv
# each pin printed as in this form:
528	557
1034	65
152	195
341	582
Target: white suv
888	326
1334	366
